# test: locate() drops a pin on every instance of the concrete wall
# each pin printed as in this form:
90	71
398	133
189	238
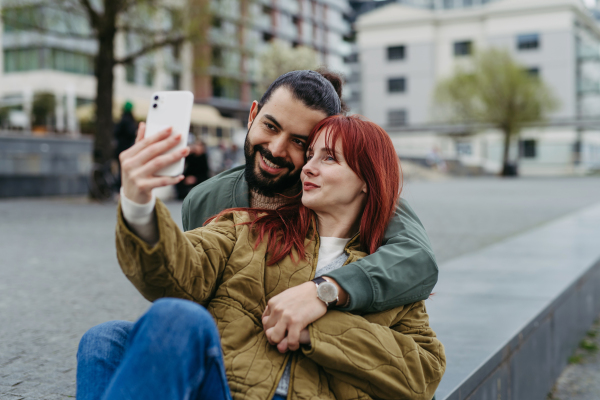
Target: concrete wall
511	314
31	166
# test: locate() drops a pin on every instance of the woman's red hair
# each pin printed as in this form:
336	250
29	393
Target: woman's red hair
369	152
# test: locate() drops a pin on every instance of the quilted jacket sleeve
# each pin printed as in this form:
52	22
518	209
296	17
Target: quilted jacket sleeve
183	265
388	355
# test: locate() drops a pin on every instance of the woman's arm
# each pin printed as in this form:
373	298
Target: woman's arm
403	270
184	265
404	360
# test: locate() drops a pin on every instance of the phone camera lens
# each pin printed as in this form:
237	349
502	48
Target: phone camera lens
155	105
155	97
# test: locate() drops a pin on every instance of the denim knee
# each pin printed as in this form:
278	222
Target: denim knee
102	340
185	317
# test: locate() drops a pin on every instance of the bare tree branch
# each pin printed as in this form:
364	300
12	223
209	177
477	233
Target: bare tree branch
149	48
92	13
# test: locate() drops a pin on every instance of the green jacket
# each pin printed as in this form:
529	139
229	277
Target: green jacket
402	271
393	354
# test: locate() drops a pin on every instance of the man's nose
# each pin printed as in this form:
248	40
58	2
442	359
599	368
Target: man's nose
278	148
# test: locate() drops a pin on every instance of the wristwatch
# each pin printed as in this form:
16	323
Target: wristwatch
327	292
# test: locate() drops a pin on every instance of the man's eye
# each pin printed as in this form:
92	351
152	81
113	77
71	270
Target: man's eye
269	126
298	142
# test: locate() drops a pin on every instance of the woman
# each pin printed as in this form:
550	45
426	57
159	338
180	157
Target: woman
244	257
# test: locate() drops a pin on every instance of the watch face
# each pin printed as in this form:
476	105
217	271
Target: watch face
327	292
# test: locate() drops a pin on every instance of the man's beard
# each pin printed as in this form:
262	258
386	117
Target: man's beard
263	183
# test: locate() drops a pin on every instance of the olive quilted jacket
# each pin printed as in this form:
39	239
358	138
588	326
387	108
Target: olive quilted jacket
392	354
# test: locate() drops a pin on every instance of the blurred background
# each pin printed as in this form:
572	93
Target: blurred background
67	74
493	107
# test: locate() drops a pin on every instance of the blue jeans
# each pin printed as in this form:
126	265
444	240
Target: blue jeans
172	352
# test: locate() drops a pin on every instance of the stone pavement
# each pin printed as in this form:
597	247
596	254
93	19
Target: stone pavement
59	274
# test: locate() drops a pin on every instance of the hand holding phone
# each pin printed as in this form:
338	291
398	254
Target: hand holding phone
141	162
171	109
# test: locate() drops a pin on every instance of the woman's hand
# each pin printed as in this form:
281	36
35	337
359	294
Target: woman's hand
290	312
283	346
140	162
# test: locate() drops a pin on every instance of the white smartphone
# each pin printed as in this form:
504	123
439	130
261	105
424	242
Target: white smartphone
171	109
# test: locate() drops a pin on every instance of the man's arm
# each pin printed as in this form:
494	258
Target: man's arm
403	270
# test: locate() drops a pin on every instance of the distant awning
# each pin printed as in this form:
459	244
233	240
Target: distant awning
202	114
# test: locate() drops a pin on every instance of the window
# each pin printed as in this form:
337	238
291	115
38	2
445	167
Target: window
448	3
397	85
528	42
130	73
16	60
534	72
397	118
463	48
267	37
527	148
396	53
176	81
352	58
464	148
149	78
467	3
217	57
219	132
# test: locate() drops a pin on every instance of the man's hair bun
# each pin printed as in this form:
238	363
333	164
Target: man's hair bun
337	81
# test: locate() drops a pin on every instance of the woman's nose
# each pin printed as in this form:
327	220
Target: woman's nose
309	168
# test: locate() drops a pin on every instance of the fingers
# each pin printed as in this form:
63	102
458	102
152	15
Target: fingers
145	142
293	337
152	151
154	165
140	132
276	333
282	347
305	336
146	185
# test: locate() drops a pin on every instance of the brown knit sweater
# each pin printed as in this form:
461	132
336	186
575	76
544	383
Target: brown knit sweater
270	203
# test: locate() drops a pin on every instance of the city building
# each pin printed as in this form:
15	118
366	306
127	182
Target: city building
242	29
405	50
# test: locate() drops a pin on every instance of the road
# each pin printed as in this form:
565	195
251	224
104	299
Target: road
59	274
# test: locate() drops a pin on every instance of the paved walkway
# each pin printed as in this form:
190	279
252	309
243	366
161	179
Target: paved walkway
59	274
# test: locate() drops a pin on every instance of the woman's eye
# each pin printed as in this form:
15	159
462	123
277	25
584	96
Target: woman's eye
308	157
329	158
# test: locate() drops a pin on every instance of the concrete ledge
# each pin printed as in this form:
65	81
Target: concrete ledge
511	314
44	166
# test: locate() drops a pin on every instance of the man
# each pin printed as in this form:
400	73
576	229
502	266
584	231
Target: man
402	271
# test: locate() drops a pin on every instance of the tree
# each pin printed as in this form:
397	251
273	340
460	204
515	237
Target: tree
495	90
280	58
153	24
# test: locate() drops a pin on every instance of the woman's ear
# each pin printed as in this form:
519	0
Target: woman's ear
364	188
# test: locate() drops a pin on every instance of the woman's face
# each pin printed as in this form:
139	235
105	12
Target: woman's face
329	186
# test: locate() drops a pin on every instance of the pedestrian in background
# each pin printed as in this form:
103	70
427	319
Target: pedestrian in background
196	169
125	132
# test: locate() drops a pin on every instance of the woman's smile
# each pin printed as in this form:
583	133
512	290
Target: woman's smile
310	186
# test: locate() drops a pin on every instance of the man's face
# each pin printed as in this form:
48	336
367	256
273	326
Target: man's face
276	142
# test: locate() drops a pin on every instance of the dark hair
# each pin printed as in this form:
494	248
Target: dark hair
318	90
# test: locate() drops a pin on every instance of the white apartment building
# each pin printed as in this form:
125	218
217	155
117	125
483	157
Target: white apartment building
404	51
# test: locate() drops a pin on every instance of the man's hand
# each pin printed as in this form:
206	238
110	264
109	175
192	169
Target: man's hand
290	312
140	162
